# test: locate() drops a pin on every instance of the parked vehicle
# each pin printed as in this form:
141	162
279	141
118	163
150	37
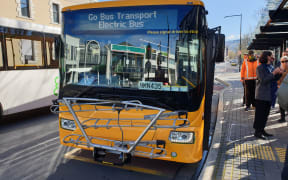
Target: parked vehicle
233	62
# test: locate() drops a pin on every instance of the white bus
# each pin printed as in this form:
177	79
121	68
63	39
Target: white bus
28	70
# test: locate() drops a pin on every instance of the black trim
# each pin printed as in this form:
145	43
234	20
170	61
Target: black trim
189	101
278	28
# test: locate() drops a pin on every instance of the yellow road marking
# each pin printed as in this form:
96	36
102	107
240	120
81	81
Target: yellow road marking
273	157
264	153
259	155
268	152
281	154
70	155
249	151
72	152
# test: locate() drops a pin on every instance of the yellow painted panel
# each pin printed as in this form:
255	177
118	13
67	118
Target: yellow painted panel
124	3
186	153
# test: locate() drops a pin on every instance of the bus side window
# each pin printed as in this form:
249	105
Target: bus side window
52	61
24	52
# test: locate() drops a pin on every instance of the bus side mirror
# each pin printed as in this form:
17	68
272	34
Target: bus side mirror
220	48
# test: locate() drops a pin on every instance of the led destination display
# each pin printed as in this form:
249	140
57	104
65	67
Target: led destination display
95	20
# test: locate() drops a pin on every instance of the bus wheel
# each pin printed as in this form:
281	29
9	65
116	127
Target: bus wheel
128	158
98	154
95	154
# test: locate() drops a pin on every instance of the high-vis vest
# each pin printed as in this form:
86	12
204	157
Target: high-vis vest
248	70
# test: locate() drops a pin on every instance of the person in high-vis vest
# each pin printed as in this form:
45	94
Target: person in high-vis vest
248	76
242	81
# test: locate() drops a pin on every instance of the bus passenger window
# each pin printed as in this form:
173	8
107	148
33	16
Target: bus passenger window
50	52
27	50
13	51
23	52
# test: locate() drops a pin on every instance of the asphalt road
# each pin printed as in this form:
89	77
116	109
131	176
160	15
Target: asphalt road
30	149
225	67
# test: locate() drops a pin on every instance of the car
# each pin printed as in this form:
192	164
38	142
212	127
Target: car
233	62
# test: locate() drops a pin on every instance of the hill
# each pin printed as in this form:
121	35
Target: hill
232	45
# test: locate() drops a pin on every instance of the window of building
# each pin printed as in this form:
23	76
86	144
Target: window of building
56	13
25	10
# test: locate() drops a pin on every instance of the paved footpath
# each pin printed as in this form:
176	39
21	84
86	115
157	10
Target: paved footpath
240	154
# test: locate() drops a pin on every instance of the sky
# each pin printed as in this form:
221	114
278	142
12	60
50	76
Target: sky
218	9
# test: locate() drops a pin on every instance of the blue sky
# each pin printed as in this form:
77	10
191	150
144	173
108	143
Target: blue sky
217	9
250	10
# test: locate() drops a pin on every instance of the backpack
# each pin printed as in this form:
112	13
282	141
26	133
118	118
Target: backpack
283	94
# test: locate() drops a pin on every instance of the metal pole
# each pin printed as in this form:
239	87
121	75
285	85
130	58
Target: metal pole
239	58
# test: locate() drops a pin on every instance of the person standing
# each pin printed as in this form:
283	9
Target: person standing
274	85
248	76
263	94
242	81
284	68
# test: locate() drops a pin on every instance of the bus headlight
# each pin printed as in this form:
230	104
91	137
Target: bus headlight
181	137
68	124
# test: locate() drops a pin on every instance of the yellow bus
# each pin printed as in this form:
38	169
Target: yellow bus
136	79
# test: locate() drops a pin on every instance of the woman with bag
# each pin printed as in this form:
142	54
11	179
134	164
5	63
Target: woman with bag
263	94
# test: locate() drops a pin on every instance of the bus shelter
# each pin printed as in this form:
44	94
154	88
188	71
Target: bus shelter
274	34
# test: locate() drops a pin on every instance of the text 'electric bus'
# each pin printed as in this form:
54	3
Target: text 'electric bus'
136	79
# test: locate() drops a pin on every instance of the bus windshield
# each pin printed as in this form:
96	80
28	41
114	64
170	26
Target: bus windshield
149	48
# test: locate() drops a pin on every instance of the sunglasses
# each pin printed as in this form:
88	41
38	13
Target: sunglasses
284	61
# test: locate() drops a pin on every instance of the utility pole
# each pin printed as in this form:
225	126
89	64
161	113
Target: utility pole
239	59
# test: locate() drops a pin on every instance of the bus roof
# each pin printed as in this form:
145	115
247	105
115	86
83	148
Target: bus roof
125	3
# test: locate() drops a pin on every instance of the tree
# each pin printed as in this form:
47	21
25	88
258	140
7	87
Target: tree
232	55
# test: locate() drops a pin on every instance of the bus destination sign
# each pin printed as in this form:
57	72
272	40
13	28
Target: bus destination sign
95	20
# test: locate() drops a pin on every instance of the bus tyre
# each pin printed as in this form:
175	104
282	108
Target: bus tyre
95	154
128	158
